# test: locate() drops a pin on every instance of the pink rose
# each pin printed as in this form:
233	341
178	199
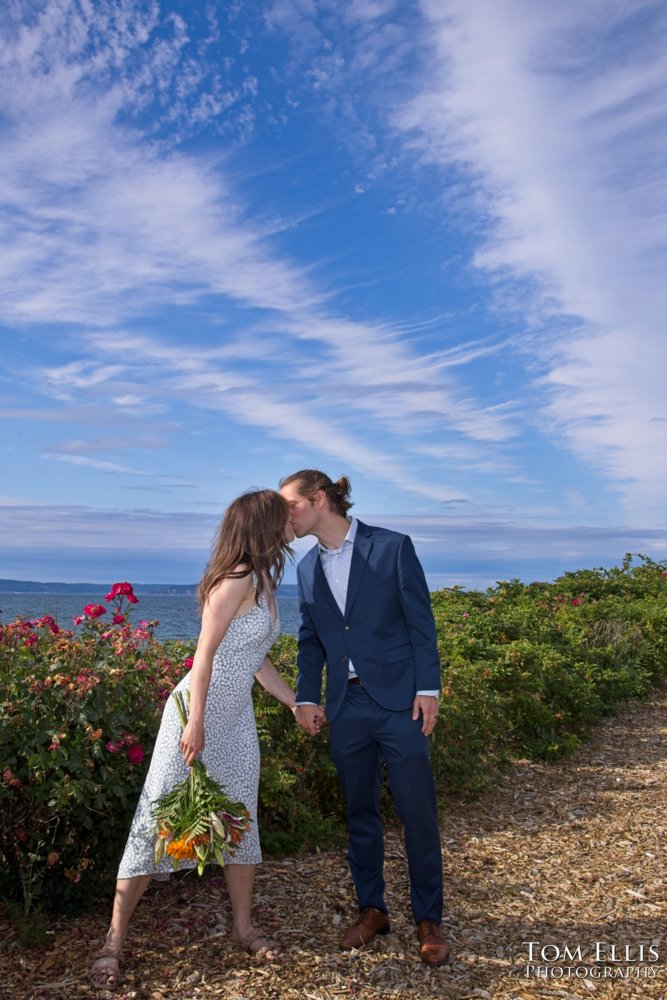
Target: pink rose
48	622
188	663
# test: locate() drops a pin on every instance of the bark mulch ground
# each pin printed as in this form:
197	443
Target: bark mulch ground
566	856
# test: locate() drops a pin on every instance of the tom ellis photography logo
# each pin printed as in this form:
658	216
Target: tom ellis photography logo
598	960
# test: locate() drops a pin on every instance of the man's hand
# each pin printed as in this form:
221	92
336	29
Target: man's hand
428	705
311	718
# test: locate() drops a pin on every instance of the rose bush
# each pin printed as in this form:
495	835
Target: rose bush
79	712
527	670
78	715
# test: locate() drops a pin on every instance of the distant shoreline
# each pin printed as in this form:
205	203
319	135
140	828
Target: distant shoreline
86	589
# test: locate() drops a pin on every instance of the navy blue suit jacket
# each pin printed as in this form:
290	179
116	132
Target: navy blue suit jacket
387	629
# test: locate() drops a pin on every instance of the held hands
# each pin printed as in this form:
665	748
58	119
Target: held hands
428	705
192	742
310	718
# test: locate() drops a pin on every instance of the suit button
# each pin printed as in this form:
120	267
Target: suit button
346	628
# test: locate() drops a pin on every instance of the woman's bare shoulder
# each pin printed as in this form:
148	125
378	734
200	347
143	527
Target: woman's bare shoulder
232	588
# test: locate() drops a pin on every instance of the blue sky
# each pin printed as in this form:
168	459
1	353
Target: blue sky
419	243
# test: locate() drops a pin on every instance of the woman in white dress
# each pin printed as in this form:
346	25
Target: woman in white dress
239	624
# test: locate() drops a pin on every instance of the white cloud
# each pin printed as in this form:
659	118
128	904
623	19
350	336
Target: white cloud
72	528
94	463
105	225
80	540
364	371
555	115
79	375
108	221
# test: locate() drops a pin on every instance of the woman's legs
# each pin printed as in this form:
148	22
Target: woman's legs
240	880
105	968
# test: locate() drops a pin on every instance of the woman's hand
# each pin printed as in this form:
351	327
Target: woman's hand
192	742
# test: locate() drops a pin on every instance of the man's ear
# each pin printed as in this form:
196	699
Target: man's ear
320	498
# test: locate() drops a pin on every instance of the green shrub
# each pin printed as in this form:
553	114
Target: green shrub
527	670
300	803
78	716
468	746
554	657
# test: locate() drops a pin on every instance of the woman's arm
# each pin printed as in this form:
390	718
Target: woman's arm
223	603
271	681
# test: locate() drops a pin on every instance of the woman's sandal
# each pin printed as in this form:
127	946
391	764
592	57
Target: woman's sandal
106	975
257	944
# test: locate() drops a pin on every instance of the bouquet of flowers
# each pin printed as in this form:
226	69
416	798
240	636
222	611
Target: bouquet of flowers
196	820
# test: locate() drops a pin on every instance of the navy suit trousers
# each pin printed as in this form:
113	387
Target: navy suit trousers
361	735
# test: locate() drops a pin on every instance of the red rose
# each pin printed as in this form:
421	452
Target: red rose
122	590
94	610
136	754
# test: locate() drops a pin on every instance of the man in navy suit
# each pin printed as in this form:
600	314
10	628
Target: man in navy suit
366	613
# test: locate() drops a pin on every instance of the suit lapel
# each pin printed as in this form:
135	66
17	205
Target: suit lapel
321	585
360	553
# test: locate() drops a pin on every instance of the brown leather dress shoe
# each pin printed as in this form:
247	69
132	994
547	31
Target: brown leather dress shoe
433	945
369	923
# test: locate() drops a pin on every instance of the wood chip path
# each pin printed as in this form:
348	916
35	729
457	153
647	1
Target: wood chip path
570	856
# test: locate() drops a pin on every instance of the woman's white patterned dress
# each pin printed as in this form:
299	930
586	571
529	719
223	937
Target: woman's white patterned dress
231	754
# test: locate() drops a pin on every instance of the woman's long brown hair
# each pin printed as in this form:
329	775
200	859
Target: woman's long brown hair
251	534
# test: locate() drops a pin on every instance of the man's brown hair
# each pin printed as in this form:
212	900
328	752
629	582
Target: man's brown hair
310	481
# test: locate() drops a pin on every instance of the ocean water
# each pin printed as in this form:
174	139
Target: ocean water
176	613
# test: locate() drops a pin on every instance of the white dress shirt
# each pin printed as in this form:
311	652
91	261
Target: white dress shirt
336	565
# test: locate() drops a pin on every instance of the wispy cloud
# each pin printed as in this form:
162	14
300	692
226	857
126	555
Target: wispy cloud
179	285
108	224
117	222
555	116
116	468
475	553
295	402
